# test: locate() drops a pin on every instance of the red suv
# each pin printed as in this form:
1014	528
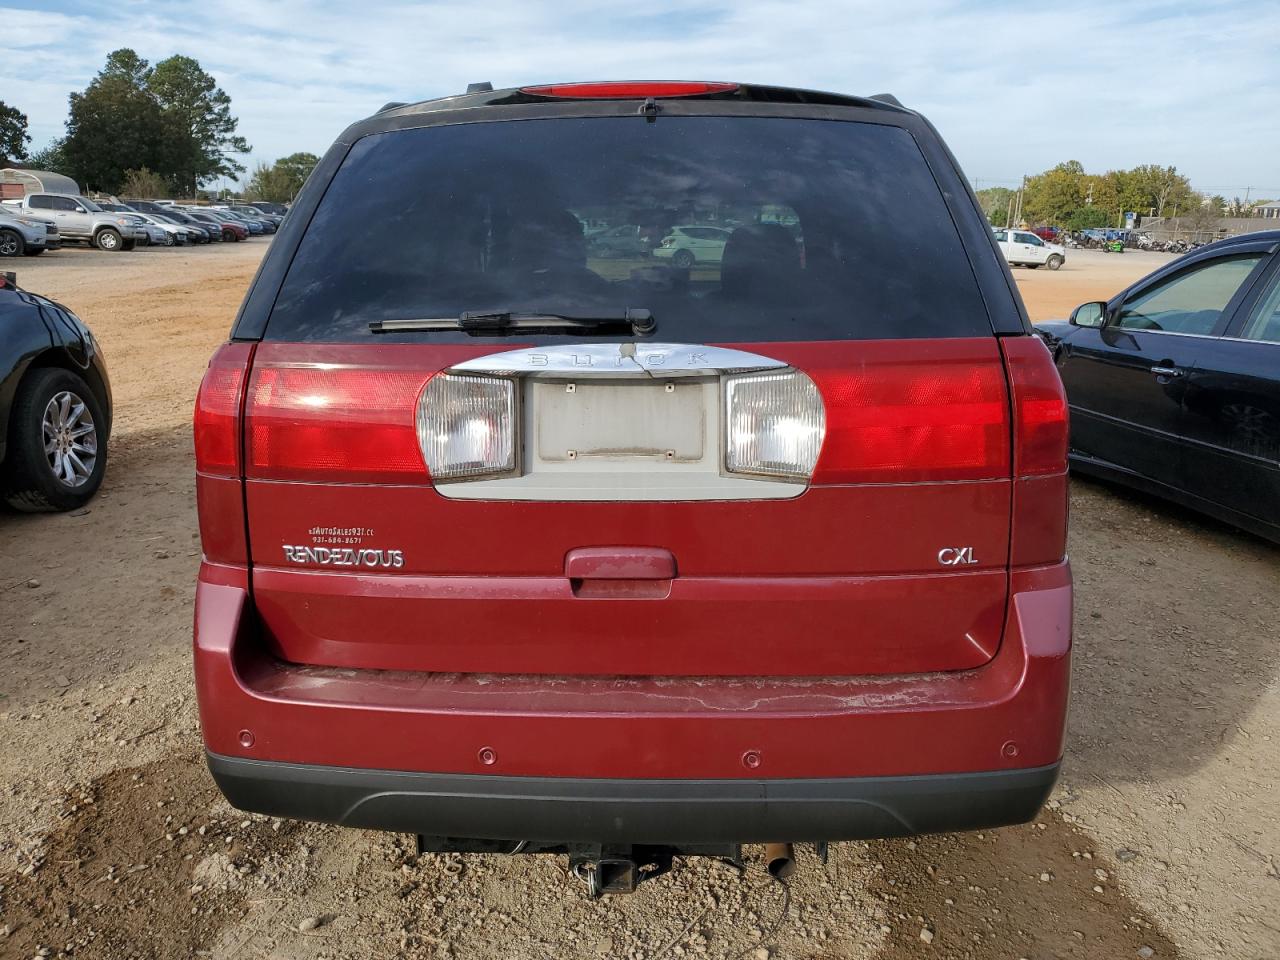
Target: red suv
517	548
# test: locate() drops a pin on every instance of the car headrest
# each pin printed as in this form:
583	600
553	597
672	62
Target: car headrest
759	260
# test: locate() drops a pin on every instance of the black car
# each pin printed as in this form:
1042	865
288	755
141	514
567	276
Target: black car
55	404
1174	384
266	206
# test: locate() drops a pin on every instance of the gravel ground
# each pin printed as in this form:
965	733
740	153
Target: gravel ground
1160	840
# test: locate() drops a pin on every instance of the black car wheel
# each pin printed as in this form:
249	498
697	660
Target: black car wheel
109	240
11	243
682	259
57	445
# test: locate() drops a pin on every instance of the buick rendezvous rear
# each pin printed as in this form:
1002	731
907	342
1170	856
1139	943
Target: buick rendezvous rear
516	548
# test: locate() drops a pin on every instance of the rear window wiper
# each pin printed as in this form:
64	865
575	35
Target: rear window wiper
501	323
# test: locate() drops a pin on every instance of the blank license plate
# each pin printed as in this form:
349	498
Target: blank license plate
620	420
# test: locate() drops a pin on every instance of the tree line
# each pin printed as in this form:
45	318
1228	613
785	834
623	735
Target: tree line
1067	196
152	131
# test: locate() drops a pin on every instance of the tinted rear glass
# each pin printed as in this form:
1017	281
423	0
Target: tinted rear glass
726	229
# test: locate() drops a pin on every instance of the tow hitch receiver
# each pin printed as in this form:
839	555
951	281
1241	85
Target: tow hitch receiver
604	868
616	874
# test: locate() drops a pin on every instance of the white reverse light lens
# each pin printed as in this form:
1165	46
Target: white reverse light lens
466	427
774	425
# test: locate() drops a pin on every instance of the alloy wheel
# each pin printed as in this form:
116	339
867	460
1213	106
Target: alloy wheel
70	439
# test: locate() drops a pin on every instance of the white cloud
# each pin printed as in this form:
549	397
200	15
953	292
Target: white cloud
1014	87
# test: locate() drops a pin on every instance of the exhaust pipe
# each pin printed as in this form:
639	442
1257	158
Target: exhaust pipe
780	860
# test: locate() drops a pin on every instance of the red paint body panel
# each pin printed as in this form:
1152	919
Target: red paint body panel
833	581
835	531
731	626
844	579
1007	714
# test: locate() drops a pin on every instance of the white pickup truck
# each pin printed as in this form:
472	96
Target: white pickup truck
79	218
1025	248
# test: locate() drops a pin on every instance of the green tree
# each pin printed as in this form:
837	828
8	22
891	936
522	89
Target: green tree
1152	187
115	125
281	181
995	204
198	114
1088	217
52	156
1051	197
298	166
13	133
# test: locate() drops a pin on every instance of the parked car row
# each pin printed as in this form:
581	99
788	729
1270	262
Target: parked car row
39	222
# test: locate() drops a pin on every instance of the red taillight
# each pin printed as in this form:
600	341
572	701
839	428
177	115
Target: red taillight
336	424
1039	408
1040	493
217	415
629	89
894	420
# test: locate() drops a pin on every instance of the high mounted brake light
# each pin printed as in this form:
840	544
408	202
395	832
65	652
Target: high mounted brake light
629	89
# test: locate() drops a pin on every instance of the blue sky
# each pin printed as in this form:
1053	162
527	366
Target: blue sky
1013	87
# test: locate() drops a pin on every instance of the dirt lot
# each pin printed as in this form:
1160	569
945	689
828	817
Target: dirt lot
1161	839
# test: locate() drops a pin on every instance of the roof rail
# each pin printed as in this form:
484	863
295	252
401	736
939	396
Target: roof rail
484	86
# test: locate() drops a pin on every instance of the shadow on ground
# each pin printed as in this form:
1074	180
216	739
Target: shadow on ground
1175	631
88	594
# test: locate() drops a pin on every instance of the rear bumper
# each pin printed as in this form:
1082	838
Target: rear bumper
859	756
634	811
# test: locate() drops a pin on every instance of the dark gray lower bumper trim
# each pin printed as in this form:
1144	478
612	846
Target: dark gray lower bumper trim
634	811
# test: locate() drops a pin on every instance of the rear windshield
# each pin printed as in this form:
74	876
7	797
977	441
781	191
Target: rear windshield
725	229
